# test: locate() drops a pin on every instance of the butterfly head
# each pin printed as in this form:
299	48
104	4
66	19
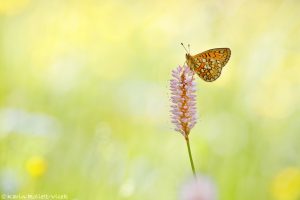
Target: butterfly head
188	56
189	60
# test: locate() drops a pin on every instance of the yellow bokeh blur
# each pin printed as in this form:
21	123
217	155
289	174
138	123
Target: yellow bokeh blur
286	185
12	6
36	166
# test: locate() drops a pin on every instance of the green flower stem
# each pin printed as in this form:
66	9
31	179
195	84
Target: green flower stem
190	155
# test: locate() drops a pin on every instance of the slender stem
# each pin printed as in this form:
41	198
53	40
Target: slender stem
190	155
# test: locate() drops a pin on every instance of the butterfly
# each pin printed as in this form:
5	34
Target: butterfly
208	64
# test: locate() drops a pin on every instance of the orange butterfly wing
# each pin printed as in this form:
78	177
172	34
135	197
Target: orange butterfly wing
208	64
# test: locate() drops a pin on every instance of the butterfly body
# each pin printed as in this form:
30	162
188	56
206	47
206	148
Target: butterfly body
208	64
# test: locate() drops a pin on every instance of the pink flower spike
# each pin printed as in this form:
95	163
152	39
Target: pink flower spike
183	100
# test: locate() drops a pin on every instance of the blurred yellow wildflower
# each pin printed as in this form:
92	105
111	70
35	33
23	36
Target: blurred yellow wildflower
36	166
286	185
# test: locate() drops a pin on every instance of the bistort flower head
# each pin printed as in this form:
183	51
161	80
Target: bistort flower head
183	98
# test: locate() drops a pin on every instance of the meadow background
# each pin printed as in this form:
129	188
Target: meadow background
84	100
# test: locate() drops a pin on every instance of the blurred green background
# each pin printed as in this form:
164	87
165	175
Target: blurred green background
84	98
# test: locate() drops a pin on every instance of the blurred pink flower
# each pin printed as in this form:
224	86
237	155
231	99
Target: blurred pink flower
200	188
183	98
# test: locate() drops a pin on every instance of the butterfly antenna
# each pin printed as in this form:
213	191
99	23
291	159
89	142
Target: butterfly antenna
189	48
184	47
